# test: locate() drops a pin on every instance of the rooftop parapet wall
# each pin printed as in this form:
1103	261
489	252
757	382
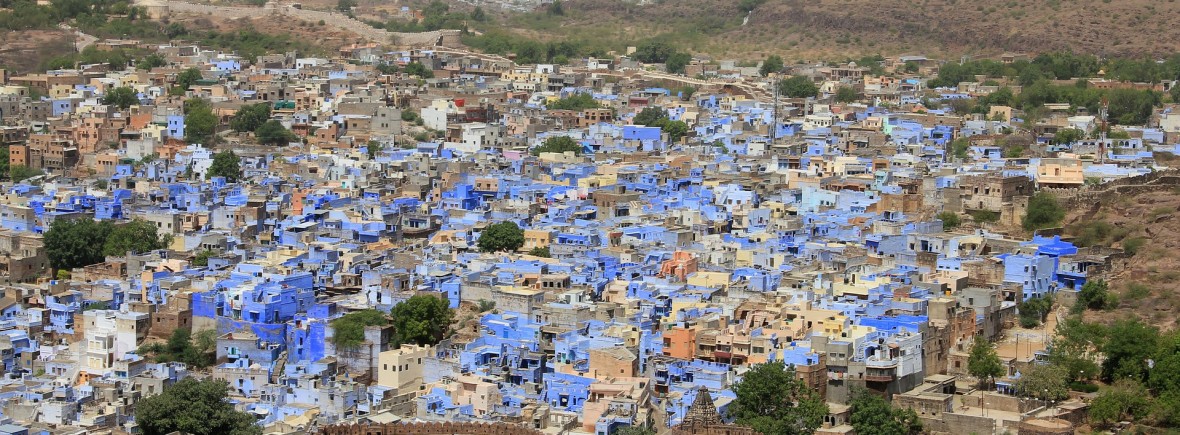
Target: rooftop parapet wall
447	428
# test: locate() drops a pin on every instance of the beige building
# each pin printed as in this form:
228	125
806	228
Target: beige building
1062	171
401	368
109	335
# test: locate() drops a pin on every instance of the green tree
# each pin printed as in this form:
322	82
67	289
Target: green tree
20	173
557	144
1043	212
150	61
983	363
772	64
959	147
1067	136
870	414
556	8
4	161
1075	346
1129	344
195	351
193	407
348	331
137	236
386	68
435	8
226	164
675	130
677	62
420	70
372	148
1174	93
1095	295
910	67
187	78
649	116
71	243
798	87
121	97
1165	376
422	319
273	133
635	430
479	15
540	251
1126	399
748	6
501	236
950	220
1035	310
580	101
199	121
250	117
202	258
653	51
1044	382
772	401
345	6
846	94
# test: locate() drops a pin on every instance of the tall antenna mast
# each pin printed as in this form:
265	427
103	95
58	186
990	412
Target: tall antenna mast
1102	132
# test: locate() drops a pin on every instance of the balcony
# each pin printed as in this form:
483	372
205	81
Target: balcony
880	375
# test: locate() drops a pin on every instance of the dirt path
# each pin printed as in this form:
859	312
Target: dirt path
81	40
332	19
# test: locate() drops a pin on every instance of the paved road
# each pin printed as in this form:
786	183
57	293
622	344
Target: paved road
81	40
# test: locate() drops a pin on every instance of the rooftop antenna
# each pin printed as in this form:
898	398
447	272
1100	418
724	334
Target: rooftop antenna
1102	132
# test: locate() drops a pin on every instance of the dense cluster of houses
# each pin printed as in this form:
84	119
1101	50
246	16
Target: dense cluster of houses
803	233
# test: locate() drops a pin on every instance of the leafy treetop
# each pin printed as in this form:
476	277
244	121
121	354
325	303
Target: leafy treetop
226	164
193	407
422	319
772	401
557	144
501	236
983	363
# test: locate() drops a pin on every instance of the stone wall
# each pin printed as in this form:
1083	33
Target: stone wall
448	428
960	424
721	429
1152	182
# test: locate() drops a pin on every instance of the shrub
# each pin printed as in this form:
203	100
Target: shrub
1043	212
949	220
1137	291
1132	245
349	330
984	216
1084	387
558	144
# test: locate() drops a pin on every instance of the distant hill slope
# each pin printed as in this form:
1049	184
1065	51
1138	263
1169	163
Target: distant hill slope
837	28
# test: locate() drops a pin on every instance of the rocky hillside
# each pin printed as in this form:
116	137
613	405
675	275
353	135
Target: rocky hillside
846	28
1145	222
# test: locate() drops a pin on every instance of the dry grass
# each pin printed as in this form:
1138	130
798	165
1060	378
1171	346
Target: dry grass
1149	285
839	29
25	51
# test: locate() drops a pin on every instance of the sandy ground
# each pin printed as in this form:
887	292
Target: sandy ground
1023	343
